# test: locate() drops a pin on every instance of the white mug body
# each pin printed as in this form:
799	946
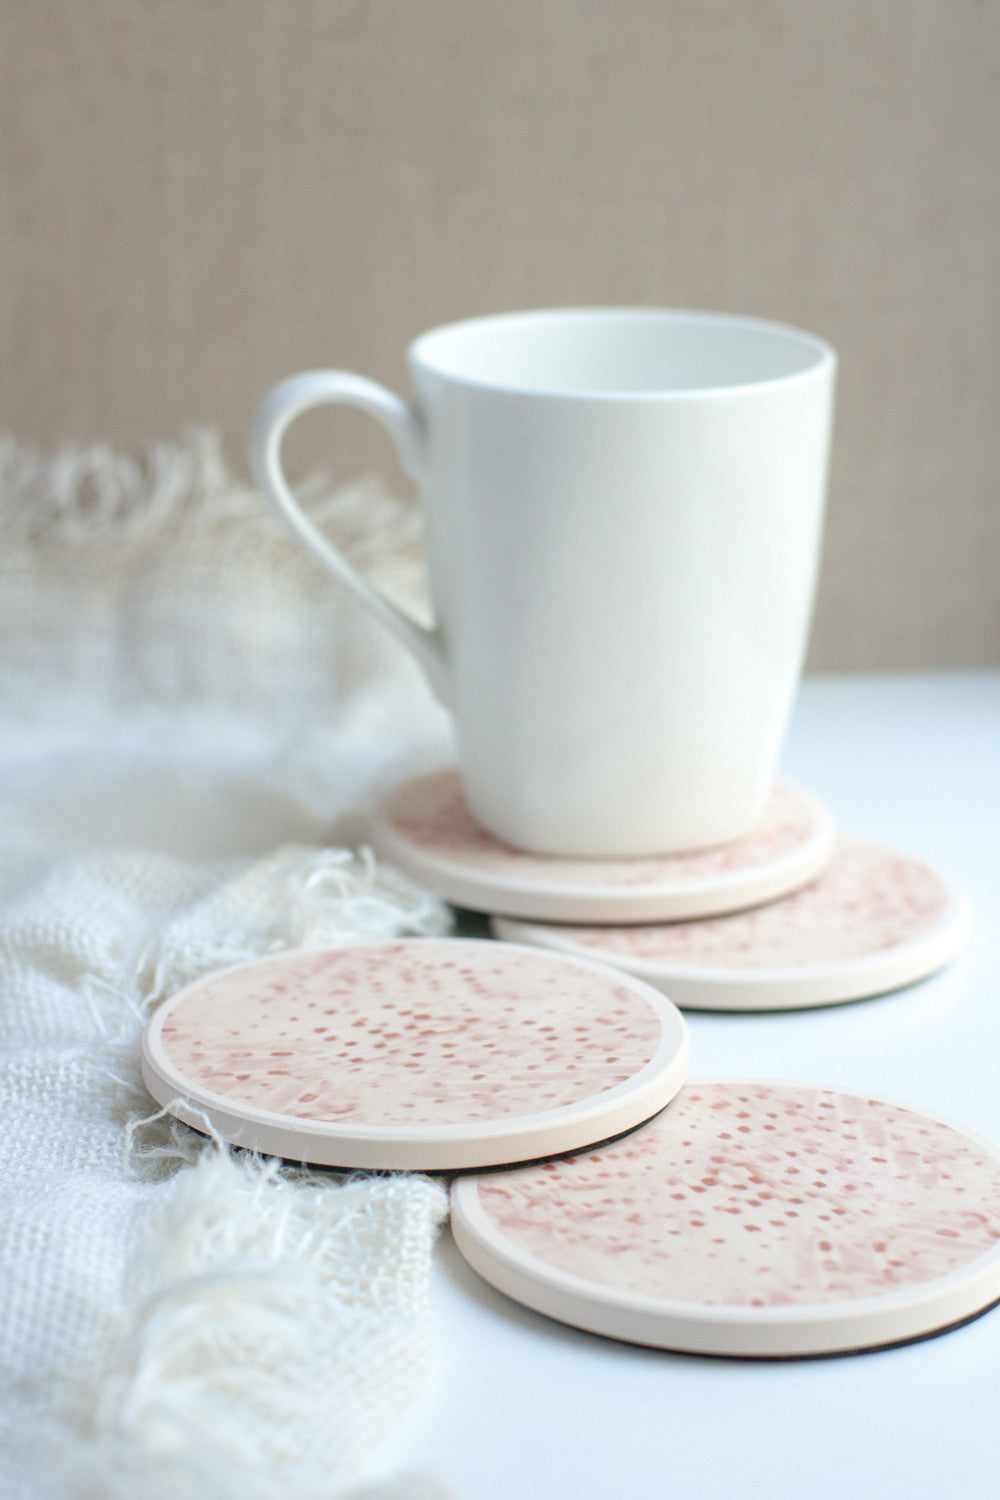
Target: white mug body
624	516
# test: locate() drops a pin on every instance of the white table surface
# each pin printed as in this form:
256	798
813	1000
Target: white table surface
520	1406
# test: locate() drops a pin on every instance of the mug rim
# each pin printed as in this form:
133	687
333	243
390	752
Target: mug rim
425	355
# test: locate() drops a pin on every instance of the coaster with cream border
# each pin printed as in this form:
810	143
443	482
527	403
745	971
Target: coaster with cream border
426	829
426	1054
751	1218
873	921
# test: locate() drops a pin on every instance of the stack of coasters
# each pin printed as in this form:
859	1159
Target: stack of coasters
792	915
731	1217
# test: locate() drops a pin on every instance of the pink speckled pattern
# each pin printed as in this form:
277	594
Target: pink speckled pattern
432	814
868	900
415	1033
760	1195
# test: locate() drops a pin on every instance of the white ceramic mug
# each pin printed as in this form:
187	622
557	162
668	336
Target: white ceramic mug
624	511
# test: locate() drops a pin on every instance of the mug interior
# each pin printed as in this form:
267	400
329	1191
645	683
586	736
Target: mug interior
614	351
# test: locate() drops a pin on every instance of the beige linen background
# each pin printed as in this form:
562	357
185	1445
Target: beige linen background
201	196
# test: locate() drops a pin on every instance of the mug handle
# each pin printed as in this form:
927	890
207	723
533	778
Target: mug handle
274	416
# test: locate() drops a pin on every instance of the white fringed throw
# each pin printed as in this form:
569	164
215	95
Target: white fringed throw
177	1322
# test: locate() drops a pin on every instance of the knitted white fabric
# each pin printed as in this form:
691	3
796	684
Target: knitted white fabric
177	1321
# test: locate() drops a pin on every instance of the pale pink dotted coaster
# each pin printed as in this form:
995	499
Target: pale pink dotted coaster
425	1054
751	1218
872	921
426	829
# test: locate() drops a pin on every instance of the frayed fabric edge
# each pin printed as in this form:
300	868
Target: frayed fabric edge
274	1326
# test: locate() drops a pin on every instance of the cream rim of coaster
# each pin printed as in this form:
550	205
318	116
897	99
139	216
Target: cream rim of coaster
425	828
809	1233
428	1054
873	921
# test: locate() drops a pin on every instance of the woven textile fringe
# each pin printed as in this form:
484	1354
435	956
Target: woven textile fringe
191	714
181	1321
272	1328
92	493
168	580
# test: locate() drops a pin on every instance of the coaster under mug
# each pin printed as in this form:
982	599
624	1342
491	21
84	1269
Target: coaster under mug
752	1219
421	1054
873	921
426	829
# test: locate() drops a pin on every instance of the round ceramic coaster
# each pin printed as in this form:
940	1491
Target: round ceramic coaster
426	829
425	1054
873	921
751	1219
